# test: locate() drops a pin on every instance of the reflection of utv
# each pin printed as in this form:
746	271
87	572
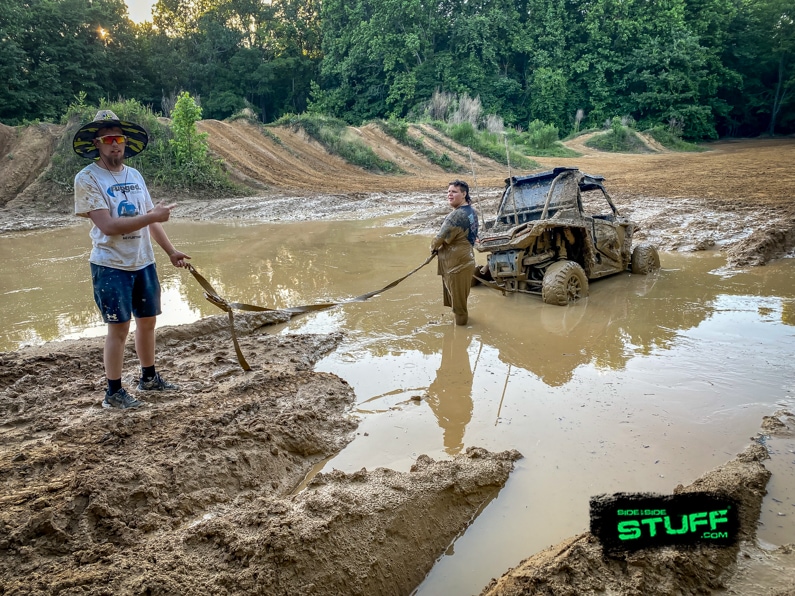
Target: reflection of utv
543	240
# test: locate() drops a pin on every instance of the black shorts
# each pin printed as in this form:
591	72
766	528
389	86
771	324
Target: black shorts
121	294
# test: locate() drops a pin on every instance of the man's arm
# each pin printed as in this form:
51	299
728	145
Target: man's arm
159	235
113	226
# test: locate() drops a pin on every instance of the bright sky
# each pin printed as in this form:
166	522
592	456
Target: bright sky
140	10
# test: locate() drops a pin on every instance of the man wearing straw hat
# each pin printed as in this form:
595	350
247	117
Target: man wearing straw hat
114	196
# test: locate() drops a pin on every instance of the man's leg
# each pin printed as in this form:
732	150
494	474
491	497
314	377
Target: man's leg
145	348
116	396
145	340
459	286
114	349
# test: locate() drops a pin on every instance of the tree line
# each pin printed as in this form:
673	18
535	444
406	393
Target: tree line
706	68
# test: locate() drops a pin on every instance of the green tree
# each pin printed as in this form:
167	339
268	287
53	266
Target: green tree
548	94
189	146
767	54
236	53
15	94
53	49
667	79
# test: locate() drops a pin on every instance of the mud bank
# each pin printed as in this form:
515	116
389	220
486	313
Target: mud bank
191	494
578	566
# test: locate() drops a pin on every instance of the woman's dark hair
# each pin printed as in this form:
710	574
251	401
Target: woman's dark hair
463	186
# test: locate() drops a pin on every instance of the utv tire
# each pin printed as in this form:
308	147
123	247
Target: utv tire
645	259
564	282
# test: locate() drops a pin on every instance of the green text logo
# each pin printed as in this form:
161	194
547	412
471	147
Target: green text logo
626	521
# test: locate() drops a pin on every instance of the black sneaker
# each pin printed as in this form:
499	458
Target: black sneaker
156	383
121	399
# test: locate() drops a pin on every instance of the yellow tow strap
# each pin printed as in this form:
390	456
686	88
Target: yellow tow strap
212	296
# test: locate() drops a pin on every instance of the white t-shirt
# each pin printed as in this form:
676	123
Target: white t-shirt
123	194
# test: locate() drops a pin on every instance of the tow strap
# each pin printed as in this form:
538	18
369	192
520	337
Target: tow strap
212	296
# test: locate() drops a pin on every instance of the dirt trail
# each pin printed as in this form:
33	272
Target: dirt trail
291	160
652	143
282	161
488	171
389	148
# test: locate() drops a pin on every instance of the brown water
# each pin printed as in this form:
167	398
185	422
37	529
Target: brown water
648	384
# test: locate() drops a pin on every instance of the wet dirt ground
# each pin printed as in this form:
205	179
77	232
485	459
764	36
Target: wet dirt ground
209	478
648	384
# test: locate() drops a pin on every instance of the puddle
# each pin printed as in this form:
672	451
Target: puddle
649	383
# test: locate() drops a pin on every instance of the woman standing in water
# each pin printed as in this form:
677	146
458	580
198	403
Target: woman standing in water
453	245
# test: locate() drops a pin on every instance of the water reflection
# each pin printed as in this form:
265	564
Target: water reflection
450	393
45	294
45	283
648	383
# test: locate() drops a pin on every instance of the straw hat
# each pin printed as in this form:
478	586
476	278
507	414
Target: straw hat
83	142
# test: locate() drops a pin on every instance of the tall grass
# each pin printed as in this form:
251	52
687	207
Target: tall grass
399	130
619	139
332	134
485	143
670	140
542	140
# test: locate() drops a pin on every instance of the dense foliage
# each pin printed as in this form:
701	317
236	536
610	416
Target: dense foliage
703	67
176	156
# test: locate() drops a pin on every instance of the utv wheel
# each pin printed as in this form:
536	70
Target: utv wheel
645	259
564	282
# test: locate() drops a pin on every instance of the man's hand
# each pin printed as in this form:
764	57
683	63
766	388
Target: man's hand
178	259
161	212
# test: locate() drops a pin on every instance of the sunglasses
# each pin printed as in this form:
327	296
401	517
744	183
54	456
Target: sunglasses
110	139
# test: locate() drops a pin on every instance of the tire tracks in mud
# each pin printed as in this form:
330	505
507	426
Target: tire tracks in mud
389	148
286	159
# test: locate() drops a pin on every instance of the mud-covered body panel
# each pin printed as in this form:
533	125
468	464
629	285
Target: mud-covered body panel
541	220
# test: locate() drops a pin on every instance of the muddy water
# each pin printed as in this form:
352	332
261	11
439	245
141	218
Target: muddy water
648	384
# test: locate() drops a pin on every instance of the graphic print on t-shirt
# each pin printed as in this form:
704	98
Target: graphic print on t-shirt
123	189
126	198
126	209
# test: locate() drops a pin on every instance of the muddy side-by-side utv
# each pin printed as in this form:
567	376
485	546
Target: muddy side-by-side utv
544	241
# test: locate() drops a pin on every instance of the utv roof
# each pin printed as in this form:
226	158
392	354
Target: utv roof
588	182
